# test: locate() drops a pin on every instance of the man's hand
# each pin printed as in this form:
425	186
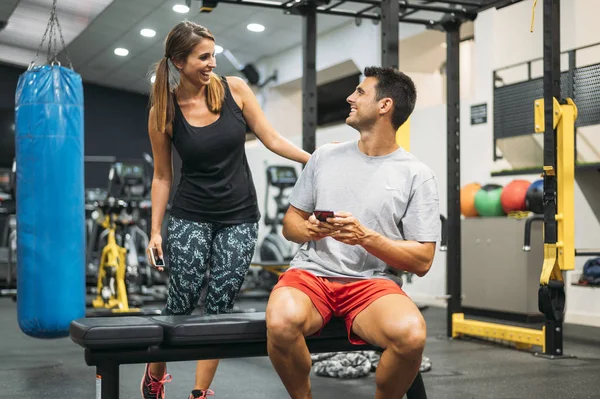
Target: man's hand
347	229
318	229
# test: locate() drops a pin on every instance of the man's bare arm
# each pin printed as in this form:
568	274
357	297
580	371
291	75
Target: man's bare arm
411	256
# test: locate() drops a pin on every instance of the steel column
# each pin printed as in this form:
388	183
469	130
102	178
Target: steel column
551	40
389	33
453	260
309	77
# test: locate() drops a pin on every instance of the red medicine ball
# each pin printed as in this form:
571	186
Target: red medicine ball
513	196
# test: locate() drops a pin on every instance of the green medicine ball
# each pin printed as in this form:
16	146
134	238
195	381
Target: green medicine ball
487	200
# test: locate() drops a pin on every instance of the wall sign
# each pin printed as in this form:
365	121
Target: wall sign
478	114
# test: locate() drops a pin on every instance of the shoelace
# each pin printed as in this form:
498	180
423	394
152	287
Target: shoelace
156	385
207	392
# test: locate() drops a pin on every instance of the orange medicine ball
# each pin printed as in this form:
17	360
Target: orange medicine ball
467	199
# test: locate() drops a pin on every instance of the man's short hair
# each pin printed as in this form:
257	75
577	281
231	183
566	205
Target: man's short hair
399	87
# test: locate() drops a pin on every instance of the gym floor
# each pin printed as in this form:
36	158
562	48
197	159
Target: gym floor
461	369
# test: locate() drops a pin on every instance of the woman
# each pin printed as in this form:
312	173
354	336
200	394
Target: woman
214	216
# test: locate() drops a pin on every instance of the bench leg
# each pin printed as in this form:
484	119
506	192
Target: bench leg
417	389
107	381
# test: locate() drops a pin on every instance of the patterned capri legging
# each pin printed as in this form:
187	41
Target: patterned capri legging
192	248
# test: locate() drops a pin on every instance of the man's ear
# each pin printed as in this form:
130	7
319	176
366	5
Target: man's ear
385	105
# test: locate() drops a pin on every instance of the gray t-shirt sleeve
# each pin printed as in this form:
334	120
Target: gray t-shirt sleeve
421	222
303	193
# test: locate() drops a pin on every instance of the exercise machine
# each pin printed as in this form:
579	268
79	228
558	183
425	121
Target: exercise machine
274	247
8	229
112	291
93	197
123	269
131	182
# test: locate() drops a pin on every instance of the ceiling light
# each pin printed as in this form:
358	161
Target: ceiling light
181	8
148	32
218	49
255	27
121	51
153	79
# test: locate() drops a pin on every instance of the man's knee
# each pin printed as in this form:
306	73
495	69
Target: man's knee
287	317
407	336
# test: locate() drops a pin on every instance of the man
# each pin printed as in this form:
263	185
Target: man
386	219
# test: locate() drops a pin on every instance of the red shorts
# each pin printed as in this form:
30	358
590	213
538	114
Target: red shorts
345	300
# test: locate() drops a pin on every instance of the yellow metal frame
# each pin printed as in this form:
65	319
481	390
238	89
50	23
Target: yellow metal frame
524	338
114	259
559	256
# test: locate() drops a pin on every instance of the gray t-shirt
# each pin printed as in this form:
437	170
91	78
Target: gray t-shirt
395	195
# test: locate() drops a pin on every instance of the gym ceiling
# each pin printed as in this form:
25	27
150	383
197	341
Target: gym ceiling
93	29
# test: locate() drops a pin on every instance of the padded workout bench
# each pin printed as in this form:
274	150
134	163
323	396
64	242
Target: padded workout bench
112	341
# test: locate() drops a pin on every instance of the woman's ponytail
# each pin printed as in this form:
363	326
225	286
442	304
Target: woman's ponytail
161	98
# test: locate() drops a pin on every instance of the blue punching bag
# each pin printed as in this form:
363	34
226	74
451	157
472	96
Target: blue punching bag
49	144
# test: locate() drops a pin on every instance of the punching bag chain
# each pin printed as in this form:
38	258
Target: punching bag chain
53	32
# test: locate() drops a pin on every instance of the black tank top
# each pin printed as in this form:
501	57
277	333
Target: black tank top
216	183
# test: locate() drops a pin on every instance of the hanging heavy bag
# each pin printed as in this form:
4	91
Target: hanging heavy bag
49	147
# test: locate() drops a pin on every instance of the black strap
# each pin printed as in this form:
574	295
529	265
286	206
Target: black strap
552	299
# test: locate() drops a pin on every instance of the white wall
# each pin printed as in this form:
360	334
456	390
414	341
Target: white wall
431	86
361	44
430	89
283	108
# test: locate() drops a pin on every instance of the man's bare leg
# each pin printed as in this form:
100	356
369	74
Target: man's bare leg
290	317
395	324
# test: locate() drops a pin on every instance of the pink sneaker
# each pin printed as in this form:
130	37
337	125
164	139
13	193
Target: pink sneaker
151	387
201	393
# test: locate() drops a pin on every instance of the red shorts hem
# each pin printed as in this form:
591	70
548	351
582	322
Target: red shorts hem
296	283
349	319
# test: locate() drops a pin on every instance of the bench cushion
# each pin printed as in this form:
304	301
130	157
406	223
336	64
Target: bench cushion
224	328
207	329
116	332
143	332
